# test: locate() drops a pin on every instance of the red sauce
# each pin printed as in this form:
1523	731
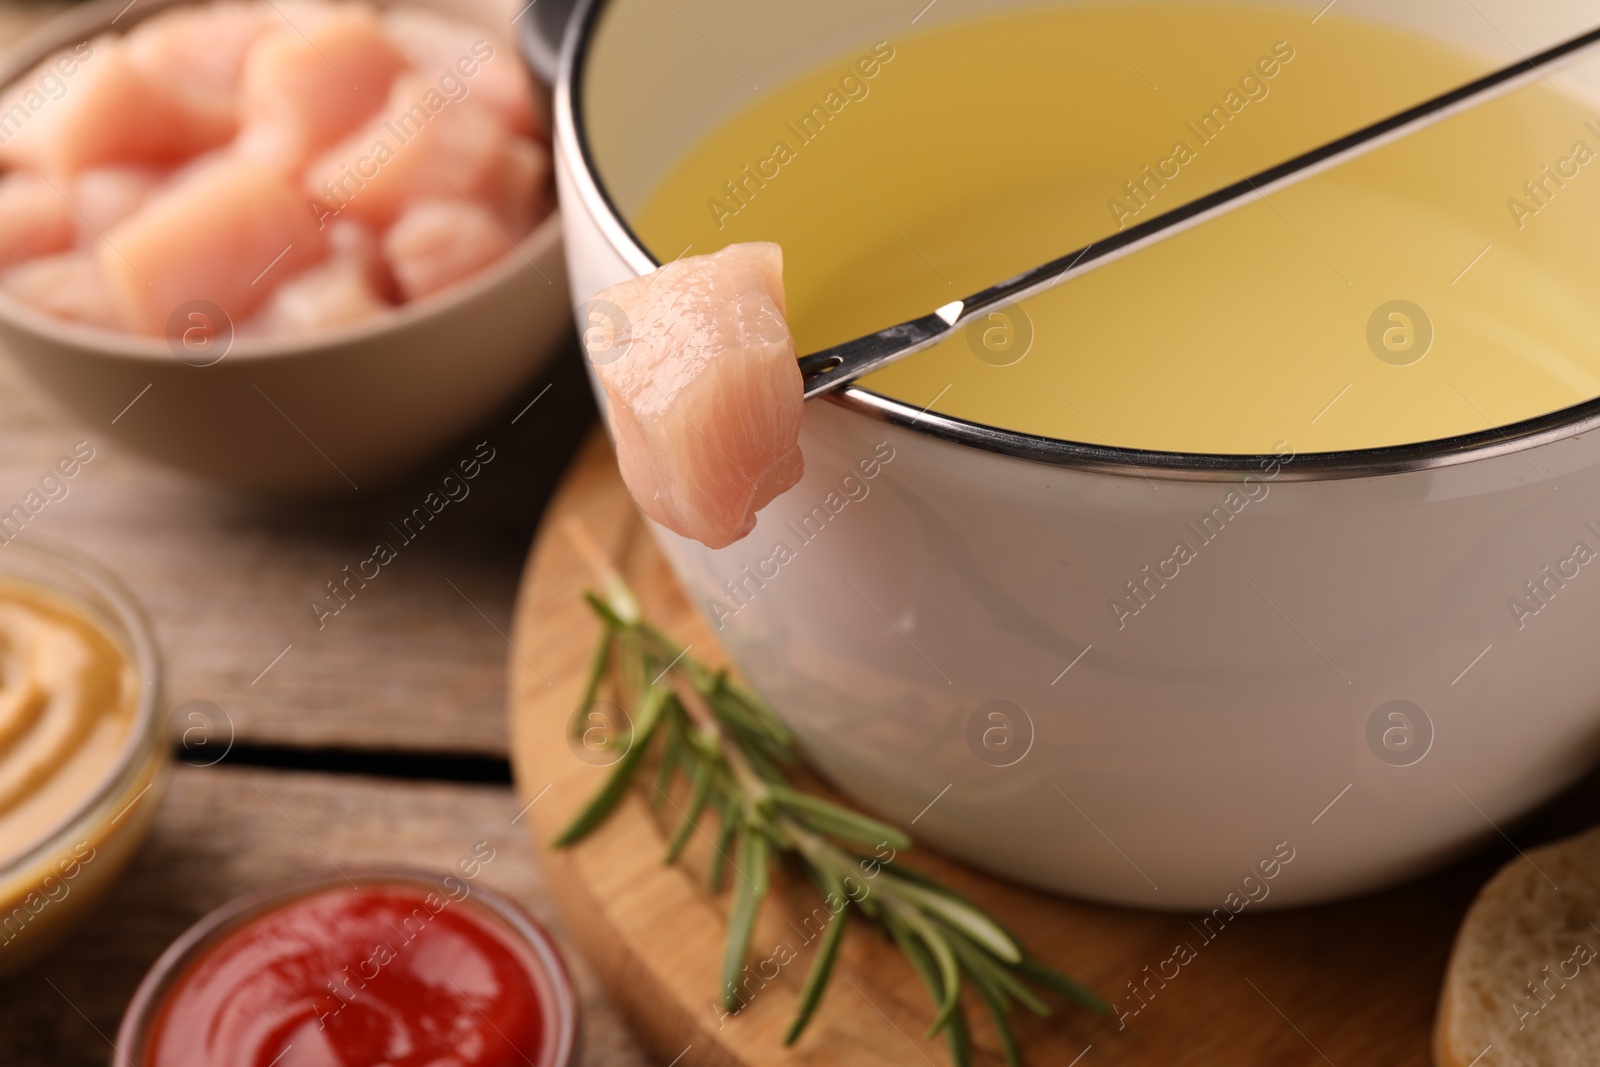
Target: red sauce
396	976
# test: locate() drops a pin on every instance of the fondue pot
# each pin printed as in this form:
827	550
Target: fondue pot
995	639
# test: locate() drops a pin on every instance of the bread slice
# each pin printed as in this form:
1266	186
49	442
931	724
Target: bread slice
1523	985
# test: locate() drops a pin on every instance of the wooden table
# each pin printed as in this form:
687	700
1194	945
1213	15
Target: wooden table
379	738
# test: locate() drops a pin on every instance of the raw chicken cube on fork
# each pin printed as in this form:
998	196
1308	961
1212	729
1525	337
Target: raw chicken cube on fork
704	395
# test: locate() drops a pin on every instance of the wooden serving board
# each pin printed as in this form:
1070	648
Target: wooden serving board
1353	983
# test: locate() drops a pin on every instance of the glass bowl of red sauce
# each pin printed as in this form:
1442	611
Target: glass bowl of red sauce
376	966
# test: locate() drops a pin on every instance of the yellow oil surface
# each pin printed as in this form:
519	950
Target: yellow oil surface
1439	286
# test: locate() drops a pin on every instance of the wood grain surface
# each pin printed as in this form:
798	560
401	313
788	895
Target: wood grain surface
1347	984
415	661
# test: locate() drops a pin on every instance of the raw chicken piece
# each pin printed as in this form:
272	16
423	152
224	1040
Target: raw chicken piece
437	243
337	293
202	45
305	87
34	219
438	45
199	49
420	144
106	196
225	234
34	92
703	392
355	283
358	243
518	195
71	286
109	111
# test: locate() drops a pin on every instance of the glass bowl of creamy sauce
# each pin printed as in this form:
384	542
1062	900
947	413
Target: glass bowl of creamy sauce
83	757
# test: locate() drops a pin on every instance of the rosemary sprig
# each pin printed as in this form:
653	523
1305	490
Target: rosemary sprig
734	751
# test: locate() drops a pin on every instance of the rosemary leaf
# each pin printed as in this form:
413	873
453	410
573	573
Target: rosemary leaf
779	729
756	756
982	966
999	1014
944	958
699	791
732	713
959	1039
671	756
716	873
610	618
595	812
661	641
956	1036
822	966
841	822
1054	980
964	917
598	666
748	893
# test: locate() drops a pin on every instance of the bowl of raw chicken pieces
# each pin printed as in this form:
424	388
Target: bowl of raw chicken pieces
289	245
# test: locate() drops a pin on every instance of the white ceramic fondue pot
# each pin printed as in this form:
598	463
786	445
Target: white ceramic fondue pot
993	638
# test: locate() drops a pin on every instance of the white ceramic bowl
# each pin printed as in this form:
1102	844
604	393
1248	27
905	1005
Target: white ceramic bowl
944	648
358	406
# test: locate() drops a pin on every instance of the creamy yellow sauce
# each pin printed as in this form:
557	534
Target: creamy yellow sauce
932	166
68	702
